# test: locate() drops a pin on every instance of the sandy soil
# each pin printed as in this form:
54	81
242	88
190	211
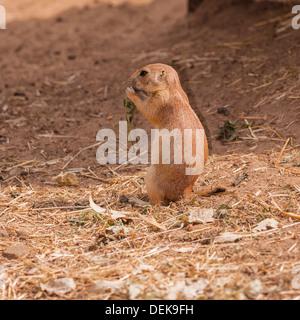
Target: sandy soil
64	70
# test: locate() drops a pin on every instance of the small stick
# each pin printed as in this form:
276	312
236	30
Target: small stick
262	86
261	102
253	118
78	153
22	218
55	208
250	129
52	135
272	20
105	92
234	82
281	153
93	177
20	165
265	206
279	157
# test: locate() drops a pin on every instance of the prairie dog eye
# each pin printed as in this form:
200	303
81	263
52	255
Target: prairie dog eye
143	73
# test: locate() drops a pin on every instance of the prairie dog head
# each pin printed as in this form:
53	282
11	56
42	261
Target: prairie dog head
151	87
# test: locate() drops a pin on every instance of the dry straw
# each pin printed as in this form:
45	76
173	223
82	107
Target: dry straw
152	247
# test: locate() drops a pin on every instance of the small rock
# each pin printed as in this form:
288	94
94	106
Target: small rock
16	251
59	286
253	288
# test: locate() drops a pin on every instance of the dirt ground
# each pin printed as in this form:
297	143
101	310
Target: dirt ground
64	70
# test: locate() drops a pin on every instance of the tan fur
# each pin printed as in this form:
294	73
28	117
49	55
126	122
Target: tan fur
160	98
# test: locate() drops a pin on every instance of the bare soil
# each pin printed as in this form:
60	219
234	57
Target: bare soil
64	70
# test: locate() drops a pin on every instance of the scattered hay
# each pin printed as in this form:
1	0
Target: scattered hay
68	238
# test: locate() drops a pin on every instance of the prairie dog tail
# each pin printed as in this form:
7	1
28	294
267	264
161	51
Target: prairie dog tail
208	193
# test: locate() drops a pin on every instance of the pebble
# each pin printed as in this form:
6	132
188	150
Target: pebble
16	251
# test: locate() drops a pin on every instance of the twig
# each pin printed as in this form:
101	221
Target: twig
272	20
78	153
279	157
281	153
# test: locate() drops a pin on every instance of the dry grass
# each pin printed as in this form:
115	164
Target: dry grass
155	252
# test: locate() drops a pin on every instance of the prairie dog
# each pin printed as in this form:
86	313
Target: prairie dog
157	93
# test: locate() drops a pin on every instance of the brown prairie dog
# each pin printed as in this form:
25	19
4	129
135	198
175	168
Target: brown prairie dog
156	91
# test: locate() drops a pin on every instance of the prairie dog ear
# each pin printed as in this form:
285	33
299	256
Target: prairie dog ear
161	75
